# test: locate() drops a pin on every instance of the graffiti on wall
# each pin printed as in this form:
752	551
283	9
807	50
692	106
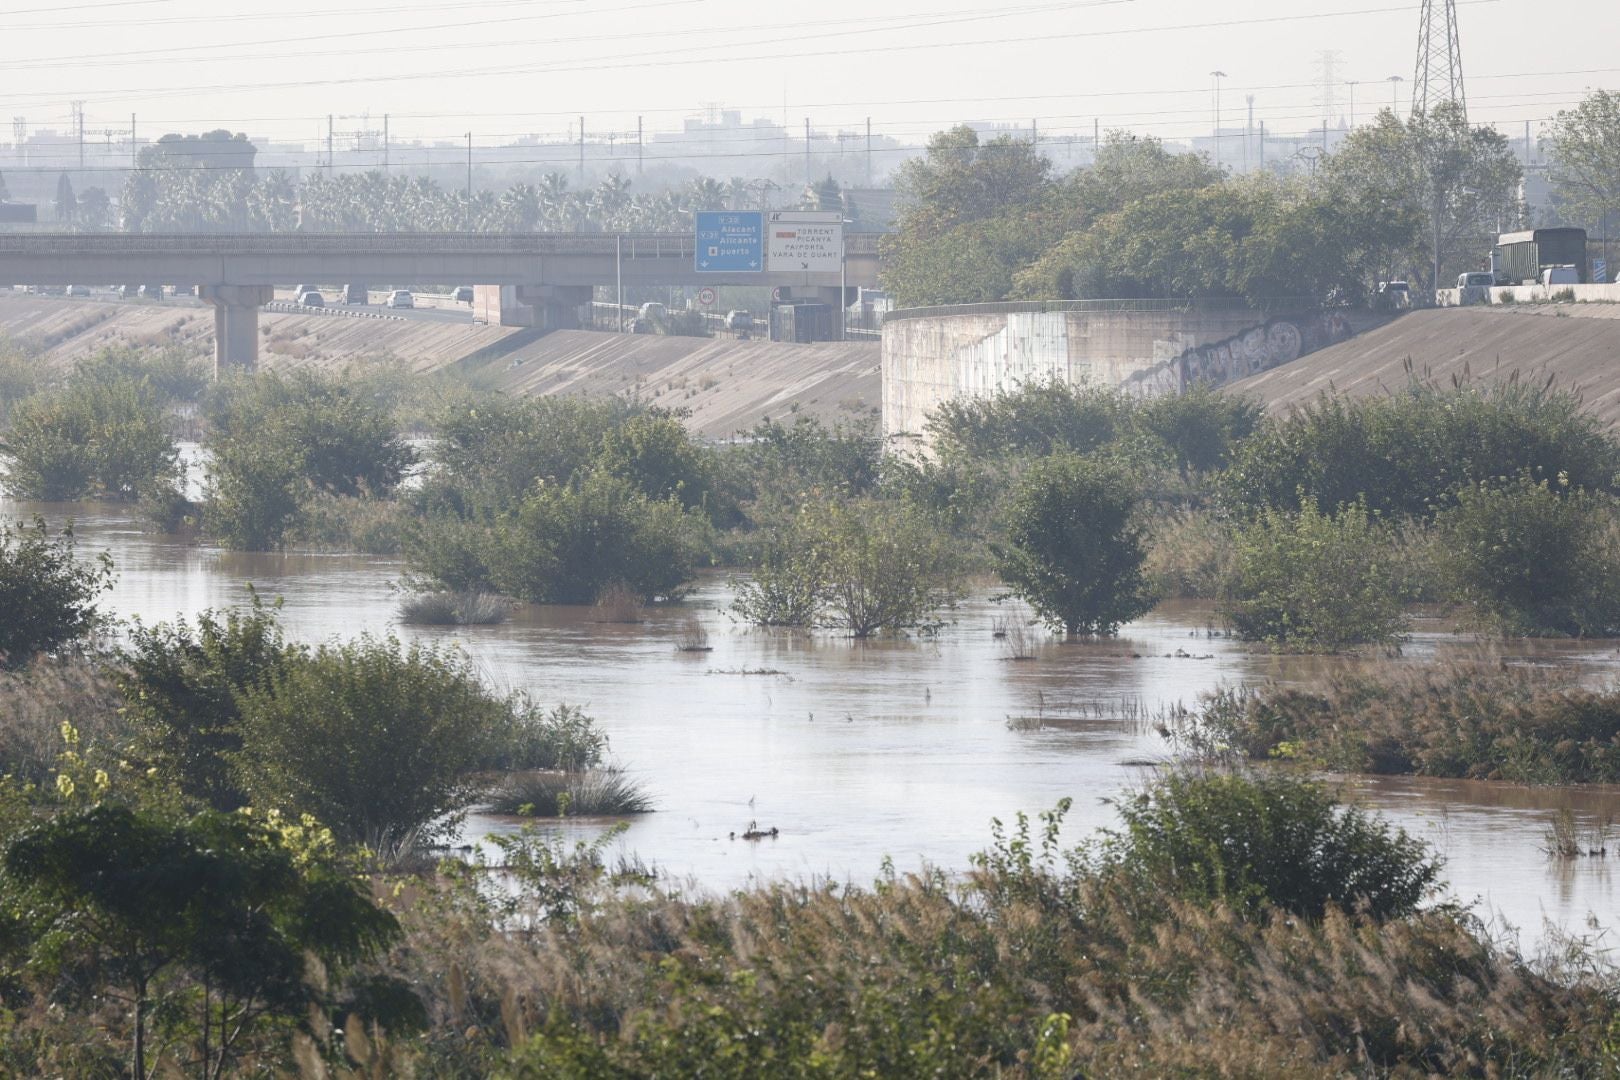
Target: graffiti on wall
1259	348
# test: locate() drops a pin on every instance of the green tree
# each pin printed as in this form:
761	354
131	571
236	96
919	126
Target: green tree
1533	558
1074	545
655	452
208	929
1584	144
48	596
1201	427
1460	181
67	204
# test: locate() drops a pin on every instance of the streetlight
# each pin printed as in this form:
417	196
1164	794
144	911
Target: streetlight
1394	89
1217	76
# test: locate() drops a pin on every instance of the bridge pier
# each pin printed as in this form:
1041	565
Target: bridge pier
236	324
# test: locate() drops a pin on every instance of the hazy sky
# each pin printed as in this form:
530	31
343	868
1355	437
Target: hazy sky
503	68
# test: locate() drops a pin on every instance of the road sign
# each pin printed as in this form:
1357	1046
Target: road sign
706	296
777	294
1600	272
811	241
730	242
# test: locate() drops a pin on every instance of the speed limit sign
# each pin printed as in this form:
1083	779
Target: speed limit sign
706	296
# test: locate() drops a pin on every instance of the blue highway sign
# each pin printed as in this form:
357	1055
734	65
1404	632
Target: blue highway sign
730	241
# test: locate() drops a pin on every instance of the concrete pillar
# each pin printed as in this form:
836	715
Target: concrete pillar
236	324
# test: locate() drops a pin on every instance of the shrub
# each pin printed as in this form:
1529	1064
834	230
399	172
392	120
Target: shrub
491	452
361	524
864	565
1409	453
379	743
1484	721
36	699
1035	418
182	688
173	373
1200	427
566	543
595	793
1308	580
653	452
1258	842
1074	546
106	437
47	595
530	737
1534	560
274	442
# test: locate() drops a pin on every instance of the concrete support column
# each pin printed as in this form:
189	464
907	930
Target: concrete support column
236	324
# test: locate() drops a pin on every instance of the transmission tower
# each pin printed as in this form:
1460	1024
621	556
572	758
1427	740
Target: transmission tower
1439	75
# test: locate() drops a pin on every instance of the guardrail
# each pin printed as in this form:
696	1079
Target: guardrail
1008	307
290	307
634	246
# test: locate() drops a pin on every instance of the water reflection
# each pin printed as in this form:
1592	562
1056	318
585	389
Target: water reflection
857	751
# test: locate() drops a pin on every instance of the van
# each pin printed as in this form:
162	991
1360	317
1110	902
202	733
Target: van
1475	287
355	294
1560	275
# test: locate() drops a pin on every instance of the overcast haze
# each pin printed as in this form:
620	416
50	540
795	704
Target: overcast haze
510	67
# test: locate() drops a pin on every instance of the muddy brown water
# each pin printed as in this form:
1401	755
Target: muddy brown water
860	751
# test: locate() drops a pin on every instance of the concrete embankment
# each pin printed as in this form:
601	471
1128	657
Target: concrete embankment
1575	346
727	386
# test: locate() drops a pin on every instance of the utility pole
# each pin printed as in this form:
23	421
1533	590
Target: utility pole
808	178
1262	145
78	129
385	144
1248	130
582	153
1034	131
329	132
1217	76
469	165
868	151
134	154
1351	83
638	145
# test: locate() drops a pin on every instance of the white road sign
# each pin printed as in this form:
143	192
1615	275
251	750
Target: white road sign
811	241
706	296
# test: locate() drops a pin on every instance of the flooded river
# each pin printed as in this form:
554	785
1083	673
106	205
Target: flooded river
857	752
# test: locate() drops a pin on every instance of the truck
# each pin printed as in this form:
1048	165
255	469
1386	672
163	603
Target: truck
1520	257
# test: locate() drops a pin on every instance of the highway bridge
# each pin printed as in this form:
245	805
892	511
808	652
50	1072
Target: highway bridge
531	279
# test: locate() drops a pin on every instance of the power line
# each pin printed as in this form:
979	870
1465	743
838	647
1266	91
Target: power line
660	59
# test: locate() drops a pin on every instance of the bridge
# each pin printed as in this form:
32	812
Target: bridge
531	279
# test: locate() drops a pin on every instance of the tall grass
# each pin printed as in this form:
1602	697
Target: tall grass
454	609
591	793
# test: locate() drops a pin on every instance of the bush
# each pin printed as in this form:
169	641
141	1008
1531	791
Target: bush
1035	419
47	595
182	688
530	737
1485	722
1312	581
106	437
491	452
1200	427
1534	560
565	544
379	743
653	452
1411	452
1258	842
274	442
361	524
36	699
1074	546
864	565
172	373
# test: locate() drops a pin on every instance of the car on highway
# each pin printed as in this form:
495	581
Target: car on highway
311	298
401	298
739	320
462	294
1393	296
356	294
78	290
152	292
129	292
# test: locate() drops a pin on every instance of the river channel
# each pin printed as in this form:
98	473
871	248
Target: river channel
857	752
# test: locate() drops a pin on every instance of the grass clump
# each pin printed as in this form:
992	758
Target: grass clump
1476	721
454	609
588	793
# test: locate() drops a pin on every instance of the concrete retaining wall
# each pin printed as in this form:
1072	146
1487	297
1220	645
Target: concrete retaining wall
935	356
1531	294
